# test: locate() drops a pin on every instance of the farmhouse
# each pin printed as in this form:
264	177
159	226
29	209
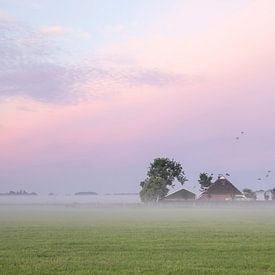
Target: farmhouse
222	189
260	195
179	196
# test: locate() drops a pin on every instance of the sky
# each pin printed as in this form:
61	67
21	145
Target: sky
92	91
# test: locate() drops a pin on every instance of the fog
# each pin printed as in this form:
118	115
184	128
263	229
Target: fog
69	199
88	213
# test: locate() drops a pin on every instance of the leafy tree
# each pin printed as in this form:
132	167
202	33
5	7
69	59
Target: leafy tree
153	188
205	181
249	193
167	169
247	190
161	174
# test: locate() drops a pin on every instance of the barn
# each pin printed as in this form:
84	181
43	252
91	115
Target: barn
222	189
179	196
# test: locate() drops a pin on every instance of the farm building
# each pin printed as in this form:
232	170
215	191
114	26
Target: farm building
181	195
222	189
260	195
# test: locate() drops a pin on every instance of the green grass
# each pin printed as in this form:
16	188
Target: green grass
87	240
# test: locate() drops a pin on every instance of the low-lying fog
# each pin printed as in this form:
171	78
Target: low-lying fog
69	199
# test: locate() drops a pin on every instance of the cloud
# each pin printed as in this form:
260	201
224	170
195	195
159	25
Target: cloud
5	16
45	82
59	31
24	109
155	78
53	30
113	29
29	68
83	34
20	44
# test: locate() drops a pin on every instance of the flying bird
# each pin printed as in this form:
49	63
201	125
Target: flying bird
242	133
259	179
227	174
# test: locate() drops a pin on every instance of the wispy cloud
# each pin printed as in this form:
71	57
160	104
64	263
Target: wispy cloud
30	68
27	65
5	16
24	109
46	82
113	29
60	31
53	30
155	77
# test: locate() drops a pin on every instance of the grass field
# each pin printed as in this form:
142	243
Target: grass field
90	240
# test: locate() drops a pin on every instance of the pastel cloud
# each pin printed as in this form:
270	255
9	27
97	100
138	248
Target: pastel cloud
113	29
234	44
5	16
53	30
156	77
43	82
29	69
61	32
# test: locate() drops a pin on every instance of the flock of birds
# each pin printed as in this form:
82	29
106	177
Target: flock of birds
267	174
238	137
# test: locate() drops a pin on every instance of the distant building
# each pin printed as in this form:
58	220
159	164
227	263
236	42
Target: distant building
269	194
222	189
179	196
260	195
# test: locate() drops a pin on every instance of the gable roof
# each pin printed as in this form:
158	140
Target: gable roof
222	186
182	194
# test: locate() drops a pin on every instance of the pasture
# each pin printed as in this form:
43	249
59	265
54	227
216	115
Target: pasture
79	239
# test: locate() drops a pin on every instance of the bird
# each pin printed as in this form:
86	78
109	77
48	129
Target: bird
242	133
259	179
227	174
237	138
269	171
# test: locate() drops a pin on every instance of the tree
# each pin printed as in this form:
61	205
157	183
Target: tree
205	181
249	193
153	188
161	174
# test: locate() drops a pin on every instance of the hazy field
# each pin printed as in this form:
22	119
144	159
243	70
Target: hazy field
103	240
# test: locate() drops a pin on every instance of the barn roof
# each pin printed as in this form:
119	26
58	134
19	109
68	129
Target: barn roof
179	195
222	186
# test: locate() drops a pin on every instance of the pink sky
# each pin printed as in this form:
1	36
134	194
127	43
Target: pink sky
172	90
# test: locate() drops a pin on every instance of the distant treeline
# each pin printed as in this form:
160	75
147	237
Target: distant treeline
18	193
86	193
